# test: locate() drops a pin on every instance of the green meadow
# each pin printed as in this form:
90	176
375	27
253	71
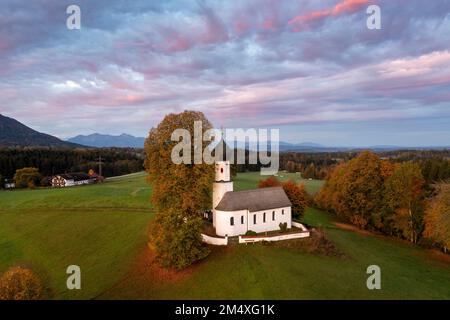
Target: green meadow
102	228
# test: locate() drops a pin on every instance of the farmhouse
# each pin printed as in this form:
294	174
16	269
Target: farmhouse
236	212
10	185
71	179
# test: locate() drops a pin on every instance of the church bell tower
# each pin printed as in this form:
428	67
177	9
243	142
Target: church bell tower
222	184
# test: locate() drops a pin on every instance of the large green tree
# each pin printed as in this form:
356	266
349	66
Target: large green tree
181	192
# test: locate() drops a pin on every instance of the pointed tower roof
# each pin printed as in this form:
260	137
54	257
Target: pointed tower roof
223	149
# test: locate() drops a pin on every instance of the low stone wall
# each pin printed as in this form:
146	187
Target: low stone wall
299	225
251	239
304	233
214	240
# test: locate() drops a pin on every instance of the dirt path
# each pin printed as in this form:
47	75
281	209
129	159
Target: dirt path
349	227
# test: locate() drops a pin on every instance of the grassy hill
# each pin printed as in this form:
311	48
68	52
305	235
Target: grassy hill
102	228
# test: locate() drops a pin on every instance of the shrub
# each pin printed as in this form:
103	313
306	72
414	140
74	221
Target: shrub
27	178
250	233
316	243
20	284
283	226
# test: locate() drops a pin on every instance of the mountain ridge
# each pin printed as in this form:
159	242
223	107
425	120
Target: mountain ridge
99	140
15	134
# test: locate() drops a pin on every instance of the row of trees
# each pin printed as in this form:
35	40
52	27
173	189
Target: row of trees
311	165
116	161
381	195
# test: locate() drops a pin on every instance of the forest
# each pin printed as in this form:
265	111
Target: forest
50	161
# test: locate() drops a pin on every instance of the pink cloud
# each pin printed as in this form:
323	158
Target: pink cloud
343	7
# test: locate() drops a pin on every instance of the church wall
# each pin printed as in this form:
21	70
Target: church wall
270	224
223	226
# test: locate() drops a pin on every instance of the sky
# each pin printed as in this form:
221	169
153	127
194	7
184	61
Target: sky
311	69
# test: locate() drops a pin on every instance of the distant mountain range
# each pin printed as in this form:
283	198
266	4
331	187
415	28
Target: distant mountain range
310	147
105	141
15	134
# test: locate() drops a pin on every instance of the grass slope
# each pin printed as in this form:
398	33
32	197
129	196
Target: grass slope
102	229
99	227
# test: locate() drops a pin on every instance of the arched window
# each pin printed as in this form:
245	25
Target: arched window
282	211
254	219
273	215
221	170
264	217
242	219
232	221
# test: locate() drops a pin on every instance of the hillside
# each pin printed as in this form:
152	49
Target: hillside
107	141
15	134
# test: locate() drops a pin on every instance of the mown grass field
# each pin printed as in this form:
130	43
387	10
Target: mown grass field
102	228
249	180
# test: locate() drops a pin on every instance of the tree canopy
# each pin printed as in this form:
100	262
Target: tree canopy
437	216
181	193
27	177
355	189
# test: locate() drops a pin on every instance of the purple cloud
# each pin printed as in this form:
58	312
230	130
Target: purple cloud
258	62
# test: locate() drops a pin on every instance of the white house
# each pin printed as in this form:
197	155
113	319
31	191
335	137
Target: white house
72	179
236	212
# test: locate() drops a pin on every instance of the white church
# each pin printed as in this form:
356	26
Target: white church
236	212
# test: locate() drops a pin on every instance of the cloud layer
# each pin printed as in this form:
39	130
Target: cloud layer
307	67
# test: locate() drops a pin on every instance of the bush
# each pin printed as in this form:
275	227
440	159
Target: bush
283	226
27	178
250	233
20	284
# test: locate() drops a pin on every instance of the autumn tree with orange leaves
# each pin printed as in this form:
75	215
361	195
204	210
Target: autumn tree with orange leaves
355	189
403	196
19	283
294	191
271	181
180	193
297	195
437	217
